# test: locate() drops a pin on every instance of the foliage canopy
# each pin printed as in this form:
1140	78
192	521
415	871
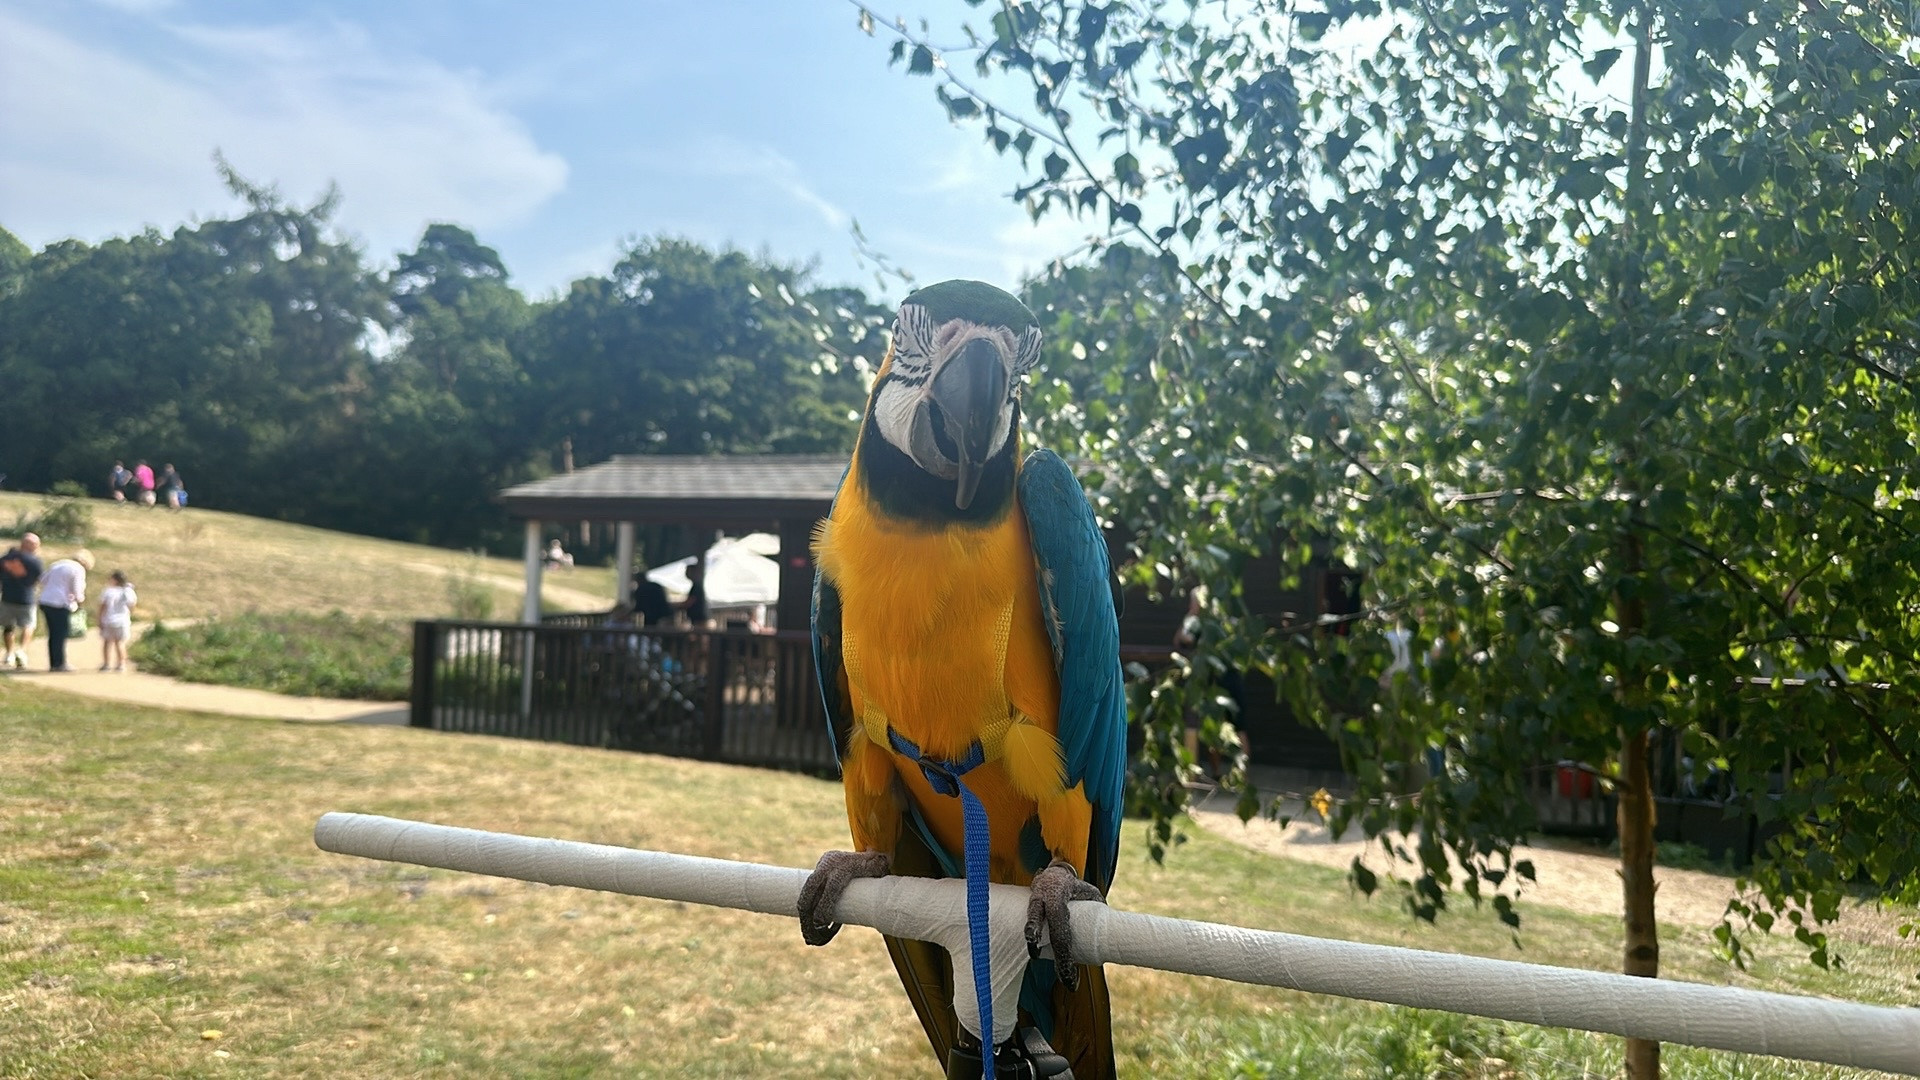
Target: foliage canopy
1587	330
286	377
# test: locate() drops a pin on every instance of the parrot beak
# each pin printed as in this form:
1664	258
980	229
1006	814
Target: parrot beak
969	391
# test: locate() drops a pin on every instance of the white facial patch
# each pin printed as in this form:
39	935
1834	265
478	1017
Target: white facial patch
893	410
920	346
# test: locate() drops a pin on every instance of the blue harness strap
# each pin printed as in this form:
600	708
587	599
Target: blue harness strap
945	777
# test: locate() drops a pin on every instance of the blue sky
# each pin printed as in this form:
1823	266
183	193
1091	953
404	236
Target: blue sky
555	131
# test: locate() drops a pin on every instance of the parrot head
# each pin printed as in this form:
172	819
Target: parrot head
948	397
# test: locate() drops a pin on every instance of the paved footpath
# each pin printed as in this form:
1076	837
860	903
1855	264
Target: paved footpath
159	691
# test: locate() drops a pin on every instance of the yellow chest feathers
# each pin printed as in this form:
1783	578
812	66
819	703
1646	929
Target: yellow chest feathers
945	623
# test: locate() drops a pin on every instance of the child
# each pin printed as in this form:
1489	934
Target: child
115	618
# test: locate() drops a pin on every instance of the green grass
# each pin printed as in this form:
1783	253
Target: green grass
239	573
202	563
158	880
334	655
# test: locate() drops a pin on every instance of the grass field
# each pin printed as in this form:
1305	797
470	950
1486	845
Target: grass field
201	563
163	913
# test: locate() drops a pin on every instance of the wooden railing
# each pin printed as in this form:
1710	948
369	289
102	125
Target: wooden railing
737	697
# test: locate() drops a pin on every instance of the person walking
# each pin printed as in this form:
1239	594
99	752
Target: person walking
20	571
63	588
143	476
115	619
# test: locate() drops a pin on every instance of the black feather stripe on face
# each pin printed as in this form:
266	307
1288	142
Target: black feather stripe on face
913	345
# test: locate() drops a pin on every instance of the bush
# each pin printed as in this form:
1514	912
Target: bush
469	597
65	516
333	655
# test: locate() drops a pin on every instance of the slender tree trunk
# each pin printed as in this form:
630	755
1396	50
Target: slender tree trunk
1635	814
1636	820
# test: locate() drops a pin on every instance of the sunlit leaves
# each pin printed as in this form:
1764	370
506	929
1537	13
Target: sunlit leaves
1437	326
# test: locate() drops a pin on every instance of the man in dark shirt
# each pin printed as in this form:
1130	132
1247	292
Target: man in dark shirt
650	599
20	571
171	486
696	601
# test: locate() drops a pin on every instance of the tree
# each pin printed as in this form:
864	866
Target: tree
288	378
688	351
1588	331
235	348
445	425
15	257
448	265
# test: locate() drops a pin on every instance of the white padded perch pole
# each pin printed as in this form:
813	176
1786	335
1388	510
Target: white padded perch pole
1723	1018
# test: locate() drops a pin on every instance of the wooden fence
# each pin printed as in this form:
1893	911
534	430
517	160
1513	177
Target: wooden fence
730	696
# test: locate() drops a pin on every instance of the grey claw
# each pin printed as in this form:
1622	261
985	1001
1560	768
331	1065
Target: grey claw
1052	889
820	894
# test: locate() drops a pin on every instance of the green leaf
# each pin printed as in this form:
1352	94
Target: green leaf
1363	879
1601	63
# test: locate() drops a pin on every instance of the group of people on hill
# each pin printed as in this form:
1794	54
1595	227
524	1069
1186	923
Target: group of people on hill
140	484
33	592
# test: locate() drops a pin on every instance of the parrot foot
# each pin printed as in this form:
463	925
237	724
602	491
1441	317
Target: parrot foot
1052	889
1025	1056
820	895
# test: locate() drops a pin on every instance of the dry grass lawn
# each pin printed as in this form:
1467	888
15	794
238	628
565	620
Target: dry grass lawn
163	913
200	563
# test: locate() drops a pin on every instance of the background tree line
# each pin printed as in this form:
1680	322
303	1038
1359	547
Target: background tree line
288	378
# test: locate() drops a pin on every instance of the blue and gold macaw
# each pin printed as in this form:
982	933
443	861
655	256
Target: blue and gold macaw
965	637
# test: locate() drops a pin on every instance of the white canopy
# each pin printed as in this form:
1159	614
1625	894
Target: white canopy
738	574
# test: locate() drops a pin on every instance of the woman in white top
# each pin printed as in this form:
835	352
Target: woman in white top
63	588
115	618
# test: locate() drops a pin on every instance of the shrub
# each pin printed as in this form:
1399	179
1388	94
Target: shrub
65	516
469	597
333	655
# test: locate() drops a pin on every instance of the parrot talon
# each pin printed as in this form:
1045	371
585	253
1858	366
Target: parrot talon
1052	889
820	894
1025	1055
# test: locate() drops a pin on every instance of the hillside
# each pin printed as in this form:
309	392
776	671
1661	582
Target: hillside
201	563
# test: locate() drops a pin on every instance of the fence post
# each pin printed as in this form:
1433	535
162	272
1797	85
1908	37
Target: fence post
426	657
716	694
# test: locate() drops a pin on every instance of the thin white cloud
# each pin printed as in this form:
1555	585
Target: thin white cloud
136	7
725	158
96	135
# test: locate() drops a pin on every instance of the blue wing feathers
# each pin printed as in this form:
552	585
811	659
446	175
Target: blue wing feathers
827	662
1075	587
825	625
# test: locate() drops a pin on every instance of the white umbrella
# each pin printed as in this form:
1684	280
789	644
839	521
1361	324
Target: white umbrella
736	575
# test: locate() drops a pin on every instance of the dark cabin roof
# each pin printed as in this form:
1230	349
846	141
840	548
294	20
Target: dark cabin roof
748	490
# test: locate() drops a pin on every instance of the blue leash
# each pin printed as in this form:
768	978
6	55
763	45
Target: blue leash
944	778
